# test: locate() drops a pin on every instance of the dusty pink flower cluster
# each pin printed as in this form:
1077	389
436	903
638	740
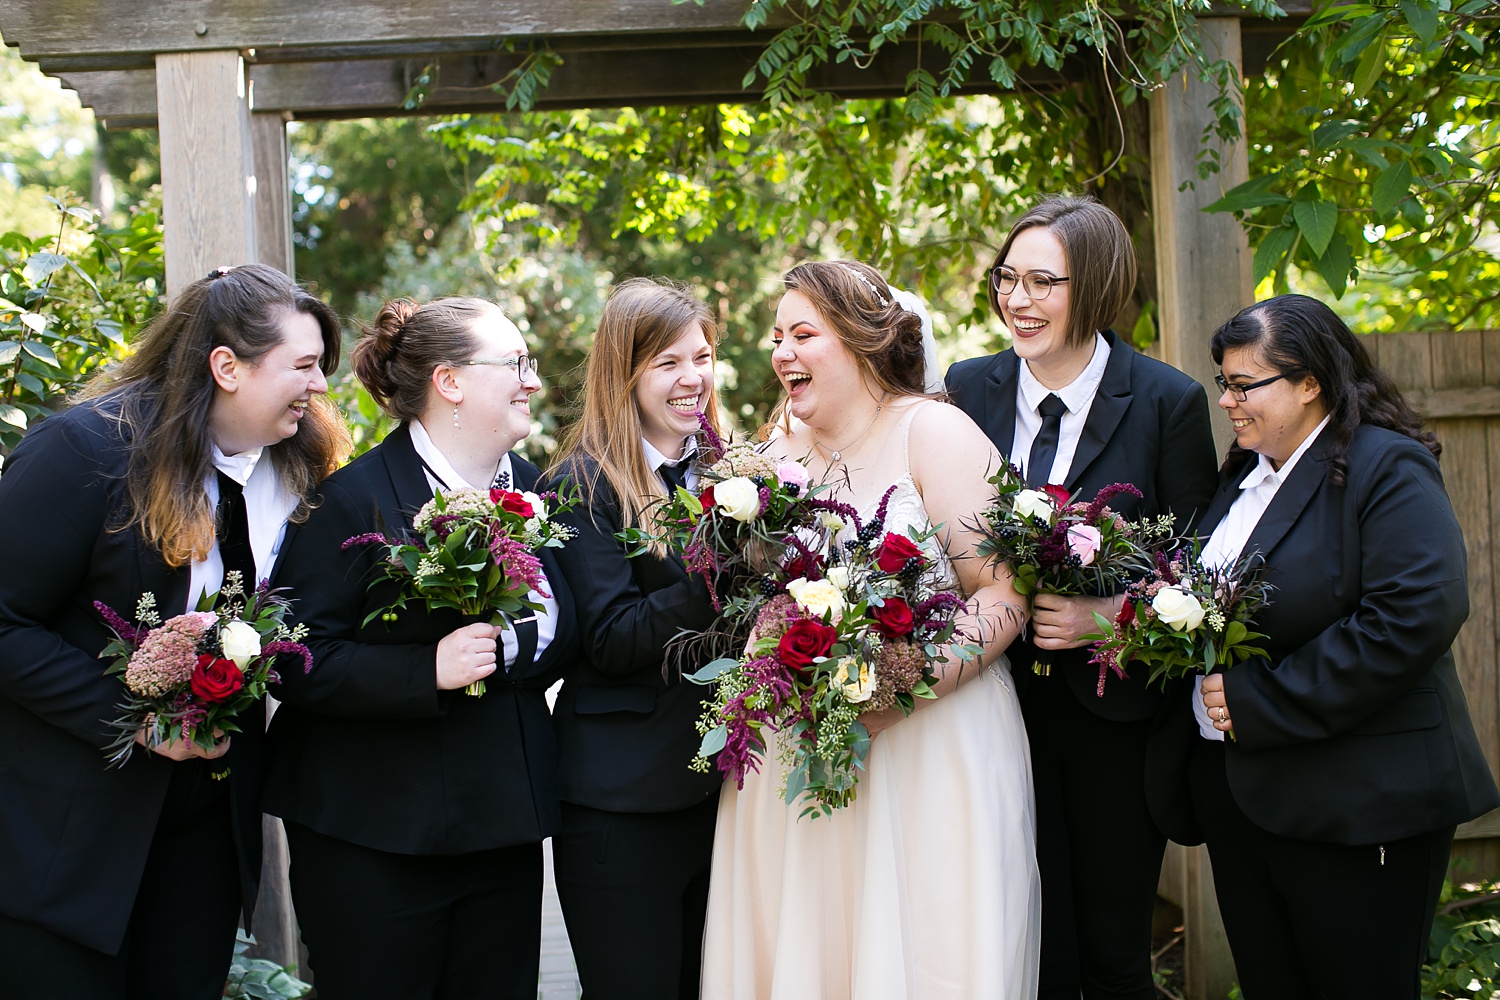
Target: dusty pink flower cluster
899	667
167	655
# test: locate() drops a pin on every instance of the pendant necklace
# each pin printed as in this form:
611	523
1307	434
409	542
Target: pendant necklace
837	455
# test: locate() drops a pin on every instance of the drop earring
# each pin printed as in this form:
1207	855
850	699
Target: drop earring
455	414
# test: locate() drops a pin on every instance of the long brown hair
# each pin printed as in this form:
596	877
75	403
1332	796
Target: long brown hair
642	318
162	392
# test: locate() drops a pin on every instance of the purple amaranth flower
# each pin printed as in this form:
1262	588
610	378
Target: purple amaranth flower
1164	568
127	632
518	563
765	500
442	524
289	648
1105	496
711	436
843	510
1052	548
885	502
369	538
937	608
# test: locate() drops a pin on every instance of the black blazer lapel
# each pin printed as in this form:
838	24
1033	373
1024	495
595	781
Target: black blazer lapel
409	486
1290	500
999	398
1106	413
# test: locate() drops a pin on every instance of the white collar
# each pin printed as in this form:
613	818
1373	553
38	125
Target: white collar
1077	393
1264	474
655	459
237	467
438	466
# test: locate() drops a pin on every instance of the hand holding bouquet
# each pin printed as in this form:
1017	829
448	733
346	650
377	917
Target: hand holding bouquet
1183	618
475	552
188	677
862	631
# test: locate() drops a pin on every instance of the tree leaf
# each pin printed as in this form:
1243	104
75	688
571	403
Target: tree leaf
1317	220
1371	63
1271	249
1422	18
39	351
39	266
1254	193
12	415
1391	187
35	322
1327	135
1334	266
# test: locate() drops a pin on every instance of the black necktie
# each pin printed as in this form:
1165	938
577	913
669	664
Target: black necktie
526	639
234	532
674	474
1044	448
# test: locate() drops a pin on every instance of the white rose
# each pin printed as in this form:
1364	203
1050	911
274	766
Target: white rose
538	507
241	643
817	598
839	577
855	678
1034	503
1178	609
738	497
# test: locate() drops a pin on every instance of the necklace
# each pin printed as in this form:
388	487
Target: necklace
836	455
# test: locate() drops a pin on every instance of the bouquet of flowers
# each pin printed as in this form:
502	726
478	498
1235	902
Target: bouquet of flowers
861	631
1057	546
748	504
474	552
189	676
1183	618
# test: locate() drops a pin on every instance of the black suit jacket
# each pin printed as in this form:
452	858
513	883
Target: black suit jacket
1148	426
364	747
73	834
1353	729
626	729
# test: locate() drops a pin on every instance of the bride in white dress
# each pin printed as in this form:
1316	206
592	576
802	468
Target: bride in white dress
926	886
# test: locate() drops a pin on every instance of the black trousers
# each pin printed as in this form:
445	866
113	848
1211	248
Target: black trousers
181	933
1097	849
409	927
634	893
1315	920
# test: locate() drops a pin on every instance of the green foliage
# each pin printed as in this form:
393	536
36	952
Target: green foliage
68	303
1375	153
260	978
1463	956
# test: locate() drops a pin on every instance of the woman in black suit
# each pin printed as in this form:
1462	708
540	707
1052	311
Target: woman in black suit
415	813
1354	757
1071	403
128	882
637	826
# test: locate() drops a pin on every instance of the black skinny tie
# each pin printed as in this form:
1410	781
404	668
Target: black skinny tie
234	532
1044	448
674	475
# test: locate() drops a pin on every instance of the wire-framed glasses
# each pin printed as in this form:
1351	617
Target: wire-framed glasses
1038	284
524	364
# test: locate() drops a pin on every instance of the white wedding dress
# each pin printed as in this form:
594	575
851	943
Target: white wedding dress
925	888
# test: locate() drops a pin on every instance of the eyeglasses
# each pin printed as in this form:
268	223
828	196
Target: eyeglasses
1038	284
1241	390
524	364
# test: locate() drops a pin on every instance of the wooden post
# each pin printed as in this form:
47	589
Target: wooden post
1203	278
273	189
1203	260
207	167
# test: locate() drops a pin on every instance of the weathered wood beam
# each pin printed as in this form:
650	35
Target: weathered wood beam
609	78
117	34
207	165
272	192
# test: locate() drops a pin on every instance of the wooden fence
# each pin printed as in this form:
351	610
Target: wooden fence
1453	379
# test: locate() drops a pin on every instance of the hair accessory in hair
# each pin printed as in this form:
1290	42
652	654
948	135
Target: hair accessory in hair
912	303
218	272
866	281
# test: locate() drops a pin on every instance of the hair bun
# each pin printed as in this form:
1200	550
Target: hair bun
373	356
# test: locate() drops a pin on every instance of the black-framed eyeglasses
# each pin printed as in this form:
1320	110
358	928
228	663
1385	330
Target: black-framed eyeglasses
1242	389
524	364
1038	284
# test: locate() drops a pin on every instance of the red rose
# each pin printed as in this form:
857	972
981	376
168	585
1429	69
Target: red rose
1127	613
512	503
803	641
894	551
706	498
214	680
1057	493
807	565
893	619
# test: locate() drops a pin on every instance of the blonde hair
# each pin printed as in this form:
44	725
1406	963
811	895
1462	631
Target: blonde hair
641	318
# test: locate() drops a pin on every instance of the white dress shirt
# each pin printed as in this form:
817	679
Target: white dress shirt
1227	542
442	475
1077	396
267	506
655	459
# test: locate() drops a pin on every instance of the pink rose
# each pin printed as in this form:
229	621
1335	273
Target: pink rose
793	474
1083	541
